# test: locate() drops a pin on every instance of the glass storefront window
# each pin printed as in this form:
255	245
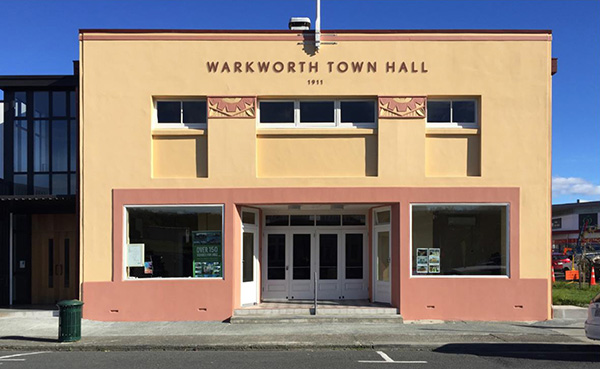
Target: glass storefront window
59	145
20	104
59	103
178	241
41	145
45	141
41	104
20	145
459	239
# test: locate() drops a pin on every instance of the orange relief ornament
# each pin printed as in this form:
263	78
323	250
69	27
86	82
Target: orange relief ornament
402	107
231	107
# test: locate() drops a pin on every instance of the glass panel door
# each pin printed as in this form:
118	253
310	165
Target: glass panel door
249	252
248	257
301	285
355	282
276	257
275	284
383	256
329	282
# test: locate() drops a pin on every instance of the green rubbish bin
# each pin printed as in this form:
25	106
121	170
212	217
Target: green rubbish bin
69	320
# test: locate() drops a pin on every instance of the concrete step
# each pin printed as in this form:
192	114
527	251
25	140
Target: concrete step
329	311
289	318
27	313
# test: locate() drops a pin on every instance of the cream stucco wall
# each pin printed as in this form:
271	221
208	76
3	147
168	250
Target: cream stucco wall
120	77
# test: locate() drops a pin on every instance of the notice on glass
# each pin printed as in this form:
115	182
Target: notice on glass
148	268
207	254
422	261
135	255
433	255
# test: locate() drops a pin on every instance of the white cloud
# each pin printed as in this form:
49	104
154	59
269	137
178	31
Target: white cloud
574	186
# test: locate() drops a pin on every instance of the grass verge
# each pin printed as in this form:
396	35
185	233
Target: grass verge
569	293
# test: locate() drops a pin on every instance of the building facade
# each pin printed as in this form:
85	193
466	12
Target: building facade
39	240
575	222
226	168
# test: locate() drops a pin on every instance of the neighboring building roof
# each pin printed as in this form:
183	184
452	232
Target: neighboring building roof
38	81
576	207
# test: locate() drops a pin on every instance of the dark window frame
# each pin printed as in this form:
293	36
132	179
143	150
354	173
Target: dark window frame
451	123
181	124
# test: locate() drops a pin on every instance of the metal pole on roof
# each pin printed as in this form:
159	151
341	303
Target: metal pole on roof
318	26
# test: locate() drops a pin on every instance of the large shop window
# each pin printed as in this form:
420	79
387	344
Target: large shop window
458	239
181	113
318	114
453	113
174	241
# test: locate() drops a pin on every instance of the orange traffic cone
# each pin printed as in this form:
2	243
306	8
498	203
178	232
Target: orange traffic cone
593	277
553	277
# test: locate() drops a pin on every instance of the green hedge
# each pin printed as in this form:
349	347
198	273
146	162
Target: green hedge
566	293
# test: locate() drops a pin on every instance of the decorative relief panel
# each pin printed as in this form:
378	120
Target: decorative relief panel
402	107
231	107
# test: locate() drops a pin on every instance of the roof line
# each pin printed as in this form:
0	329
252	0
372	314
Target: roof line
369	31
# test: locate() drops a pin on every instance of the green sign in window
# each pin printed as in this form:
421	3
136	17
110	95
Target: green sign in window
208	254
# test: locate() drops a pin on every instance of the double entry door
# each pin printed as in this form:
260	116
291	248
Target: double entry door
55	258
336	260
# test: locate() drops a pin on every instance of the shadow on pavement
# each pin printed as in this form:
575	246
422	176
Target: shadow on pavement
535	351
30	339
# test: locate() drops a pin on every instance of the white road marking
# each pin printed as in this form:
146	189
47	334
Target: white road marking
10	357
385	357
389	360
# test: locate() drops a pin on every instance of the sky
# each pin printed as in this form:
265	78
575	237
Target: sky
40	37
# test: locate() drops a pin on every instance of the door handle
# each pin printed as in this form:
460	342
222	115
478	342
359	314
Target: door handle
287	267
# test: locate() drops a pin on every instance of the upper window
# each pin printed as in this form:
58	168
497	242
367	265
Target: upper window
318	113
181	114
452	113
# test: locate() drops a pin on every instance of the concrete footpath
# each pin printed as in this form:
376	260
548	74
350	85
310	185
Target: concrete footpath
39	332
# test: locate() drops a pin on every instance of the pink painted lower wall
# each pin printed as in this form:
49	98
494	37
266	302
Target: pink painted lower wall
490	299
165	300
452	298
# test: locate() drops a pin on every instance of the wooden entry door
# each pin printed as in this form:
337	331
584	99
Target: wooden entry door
55	258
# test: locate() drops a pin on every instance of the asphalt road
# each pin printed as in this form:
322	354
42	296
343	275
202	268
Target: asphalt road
463	356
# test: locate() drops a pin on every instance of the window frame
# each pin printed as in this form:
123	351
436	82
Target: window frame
125	275
507	237
337	114
181	125
451	123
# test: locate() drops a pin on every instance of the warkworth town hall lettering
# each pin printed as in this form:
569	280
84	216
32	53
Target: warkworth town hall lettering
316	67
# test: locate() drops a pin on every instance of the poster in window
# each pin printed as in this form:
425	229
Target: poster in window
135	255
434	260
422	261
207	254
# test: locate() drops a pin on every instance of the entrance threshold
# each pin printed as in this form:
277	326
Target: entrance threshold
332	311
29	311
